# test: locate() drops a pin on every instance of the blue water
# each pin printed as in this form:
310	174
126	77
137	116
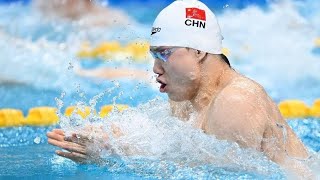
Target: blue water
36	69
28	158
24	97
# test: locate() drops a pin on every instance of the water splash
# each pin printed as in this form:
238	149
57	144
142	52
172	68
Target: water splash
277	39
155	144
161	140
37	140
174	148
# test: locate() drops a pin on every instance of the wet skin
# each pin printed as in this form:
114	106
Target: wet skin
229	106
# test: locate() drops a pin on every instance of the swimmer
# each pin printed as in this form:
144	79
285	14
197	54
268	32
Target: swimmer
186	44
86	12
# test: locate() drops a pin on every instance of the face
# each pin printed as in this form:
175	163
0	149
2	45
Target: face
178	72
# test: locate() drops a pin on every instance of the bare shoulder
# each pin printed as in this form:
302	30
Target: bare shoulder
242	96
238	113
244	91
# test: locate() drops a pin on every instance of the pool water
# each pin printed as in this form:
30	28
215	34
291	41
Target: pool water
36	161
271	43
26	154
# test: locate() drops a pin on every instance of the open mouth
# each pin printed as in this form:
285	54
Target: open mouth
162	86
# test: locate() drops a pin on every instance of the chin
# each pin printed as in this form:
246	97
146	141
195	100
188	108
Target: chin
177	97
174	98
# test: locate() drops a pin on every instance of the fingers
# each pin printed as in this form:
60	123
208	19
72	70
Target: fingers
69	146
74	156
55	136
58	131
77	138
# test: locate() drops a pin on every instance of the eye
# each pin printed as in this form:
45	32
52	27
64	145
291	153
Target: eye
165	52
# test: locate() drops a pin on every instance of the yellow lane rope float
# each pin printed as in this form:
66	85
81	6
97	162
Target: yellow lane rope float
298	109
41	116
105	110
83	112
293	109
45	116
317	42
10	117
315	109
136	50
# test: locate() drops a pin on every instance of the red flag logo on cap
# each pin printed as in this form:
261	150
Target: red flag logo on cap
195	13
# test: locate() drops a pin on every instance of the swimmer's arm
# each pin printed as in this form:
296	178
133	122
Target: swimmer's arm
291	154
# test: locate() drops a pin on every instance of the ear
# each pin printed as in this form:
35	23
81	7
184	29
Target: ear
200	55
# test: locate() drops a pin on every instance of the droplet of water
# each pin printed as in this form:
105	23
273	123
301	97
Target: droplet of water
37	140
81	94
70	66
62	46
117	84
62	94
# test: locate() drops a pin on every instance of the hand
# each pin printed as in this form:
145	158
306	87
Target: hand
77	146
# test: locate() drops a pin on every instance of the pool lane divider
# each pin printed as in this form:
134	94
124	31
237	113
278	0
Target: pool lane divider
137	50
46	116
298	109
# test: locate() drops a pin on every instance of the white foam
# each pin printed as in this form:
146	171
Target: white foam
273	45
152	135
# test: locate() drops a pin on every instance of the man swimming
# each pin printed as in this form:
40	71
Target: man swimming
186	43
87	12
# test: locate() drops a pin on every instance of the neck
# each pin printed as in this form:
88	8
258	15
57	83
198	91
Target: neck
214	77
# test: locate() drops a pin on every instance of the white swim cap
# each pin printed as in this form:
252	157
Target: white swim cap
187	23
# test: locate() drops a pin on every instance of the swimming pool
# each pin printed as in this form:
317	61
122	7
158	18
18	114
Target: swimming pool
38	57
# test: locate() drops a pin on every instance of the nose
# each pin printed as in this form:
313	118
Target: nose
157	67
